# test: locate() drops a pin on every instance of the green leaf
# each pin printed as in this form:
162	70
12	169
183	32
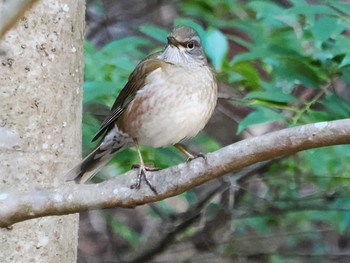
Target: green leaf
273	96
338	107
315	116
345	74
342	43
345	61
265	9
296	69
254	29
95	90
329	161
310	11
127	44
155	32
327	27
216	47
89	48
249	74
342	7
258	52
261	115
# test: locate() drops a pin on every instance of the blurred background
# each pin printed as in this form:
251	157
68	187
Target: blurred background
279	63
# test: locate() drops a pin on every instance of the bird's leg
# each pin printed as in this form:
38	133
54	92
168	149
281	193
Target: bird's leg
142	171
189	156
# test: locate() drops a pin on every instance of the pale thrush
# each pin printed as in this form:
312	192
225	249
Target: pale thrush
168	98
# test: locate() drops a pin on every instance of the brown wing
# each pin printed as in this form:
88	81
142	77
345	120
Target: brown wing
135	82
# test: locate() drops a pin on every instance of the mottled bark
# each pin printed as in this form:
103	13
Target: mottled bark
40	122
11	11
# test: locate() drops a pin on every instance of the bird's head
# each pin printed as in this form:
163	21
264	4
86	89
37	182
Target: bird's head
184	48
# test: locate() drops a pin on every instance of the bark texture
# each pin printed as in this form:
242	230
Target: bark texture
40	116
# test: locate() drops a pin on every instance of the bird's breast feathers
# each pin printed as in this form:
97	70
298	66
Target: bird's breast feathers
175	104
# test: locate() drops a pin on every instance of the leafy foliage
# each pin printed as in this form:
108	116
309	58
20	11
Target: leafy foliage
294	68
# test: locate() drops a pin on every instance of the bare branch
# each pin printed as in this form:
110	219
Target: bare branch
72	198
11	11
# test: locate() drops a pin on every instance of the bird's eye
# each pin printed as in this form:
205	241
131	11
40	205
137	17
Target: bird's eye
190	45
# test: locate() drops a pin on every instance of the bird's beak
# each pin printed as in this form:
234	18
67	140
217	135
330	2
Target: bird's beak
172	41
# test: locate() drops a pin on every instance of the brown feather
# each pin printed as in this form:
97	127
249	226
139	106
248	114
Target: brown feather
135	82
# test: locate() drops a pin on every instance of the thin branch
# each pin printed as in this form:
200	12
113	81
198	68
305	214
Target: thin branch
11	11
72	198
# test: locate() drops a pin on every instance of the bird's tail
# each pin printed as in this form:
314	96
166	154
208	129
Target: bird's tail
114	141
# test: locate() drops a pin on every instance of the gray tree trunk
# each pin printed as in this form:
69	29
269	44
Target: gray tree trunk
41	73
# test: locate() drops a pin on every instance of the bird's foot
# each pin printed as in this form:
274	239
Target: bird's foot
199	155
142	173
189	155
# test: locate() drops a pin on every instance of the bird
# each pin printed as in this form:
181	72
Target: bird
168	98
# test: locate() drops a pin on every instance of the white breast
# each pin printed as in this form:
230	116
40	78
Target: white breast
172	106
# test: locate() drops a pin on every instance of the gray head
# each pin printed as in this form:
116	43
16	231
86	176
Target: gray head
184	47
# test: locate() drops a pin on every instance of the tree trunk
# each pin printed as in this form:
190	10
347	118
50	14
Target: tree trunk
40	122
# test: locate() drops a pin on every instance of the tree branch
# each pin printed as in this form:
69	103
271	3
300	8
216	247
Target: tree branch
72	198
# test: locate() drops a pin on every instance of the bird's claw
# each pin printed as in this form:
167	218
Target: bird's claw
142	173
199	155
